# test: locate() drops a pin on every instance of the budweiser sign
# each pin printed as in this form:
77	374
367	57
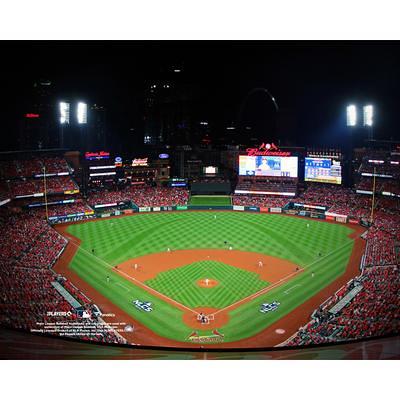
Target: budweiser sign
267	149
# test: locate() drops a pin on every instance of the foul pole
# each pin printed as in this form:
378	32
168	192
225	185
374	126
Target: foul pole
45	193
373	197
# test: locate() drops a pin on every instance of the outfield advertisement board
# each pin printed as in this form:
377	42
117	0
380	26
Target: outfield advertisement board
156	209
144	209
238	208
252	208
275	209
181	207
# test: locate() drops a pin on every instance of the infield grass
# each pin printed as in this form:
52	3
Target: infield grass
181	285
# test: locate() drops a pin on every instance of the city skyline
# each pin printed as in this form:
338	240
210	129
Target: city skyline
312	82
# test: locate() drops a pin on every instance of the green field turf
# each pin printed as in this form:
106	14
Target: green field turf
180	284
120	239
210	201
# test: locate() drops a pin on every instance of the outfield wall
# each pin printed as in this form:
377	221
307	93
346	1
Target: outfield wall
300	210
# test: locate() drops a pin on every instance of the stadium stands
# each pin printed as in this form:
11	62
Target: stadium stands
267	186
259	200
142	196
56	184
27	296
374	311
32	167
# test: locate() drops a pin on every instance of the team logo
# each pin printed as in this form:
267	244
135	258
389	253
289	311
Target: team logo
143	305
267	307
215	337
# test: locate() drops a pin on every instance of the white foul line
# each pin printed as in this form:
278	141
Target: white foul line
274	285
291	288
136	281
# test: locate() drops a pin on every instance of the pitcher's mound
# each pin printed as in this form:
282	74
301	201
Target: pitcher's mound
207	283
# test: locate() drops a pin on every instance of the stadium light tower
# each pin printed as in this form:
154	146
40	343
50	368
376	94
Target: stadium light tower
64	113
351	115
81	113
368	119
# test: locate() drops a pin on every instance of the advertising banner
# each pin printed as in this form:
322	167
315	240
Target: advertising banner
330	218
291	212
275	209
71	191
144	209
156	209
353	221
238	208
341	219
264	209
181	207
105	205
252	208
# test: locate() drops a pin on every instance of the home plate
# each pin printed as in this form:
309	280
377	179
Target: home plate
280	331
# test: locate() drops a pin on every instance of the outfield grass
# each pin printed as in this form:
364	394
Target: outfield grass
120	239
180	284
210	201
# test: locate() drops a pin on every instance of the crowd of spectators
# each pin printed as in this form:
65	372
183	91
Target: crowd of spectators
374	311
57	210
268	186
108	196
157	197
259	200
56	184
383	239
28	249
34	166
143	196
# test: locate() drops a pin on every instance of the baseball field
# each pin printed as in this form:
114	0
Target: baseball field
227	266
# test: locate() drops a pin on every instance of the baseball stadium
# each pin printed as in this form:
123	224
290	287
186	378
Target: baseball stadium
174	227
204	262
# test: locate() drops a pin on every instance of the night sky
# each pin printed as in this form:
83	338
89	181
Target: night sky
311	81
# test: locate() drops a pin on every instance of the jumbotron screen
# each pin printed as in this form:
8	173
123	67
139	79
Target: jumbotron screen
324	170
268	166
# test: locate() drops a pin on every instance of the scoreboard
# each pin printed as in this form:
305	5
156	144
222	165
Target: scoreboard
324	170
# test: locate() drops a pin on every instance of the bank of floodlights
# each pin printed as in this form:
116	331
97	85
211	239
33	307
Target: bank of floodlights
368	114
64	112
80	113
